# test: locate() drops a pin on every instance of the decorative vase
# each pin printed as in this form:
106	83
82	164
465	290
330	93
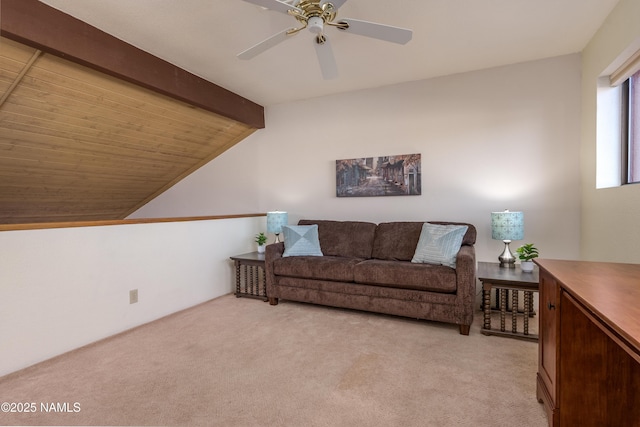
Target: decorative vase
526	266
261	249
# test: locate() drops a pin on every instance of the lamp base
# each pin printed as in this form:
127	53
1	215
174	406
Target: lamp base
506	258
277	238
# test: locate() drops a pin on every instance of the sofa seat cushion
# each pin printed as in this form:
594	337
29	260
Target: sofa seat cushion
406	275
319	268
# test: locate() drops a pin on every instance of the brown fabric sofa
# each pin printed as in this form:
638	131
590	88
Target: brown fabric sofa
368	267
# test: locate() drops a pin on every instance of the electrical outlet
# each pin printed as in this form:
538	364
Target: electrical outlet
133	296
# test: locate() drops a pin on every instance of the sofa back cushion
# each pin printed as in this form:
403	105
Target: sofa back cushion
397	241
352	239
469	238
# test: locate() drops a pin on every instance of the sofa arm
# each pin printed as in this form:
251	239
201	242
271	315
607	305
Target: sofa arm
271	253
466	275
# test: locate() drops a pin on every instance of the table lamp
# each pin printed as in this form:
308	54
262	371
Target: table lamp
275	221
507	226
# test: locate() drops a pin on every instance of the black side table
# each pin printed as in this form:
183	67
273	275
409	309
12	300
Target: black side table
504	280
251	279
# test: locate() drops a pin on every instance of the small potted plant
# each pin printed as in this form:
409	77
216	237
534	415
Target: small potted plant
526	253
261	240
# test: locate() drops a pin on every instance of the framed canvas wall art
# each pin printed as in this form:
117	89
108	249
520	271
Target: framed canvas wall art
398	175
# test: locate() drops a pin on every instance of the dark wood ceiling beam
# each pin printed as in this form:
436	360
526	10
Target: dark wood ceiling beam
50	30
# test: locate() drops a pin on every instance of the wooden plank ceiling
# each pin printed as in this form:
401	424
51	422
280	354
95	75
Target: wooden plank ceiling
77	144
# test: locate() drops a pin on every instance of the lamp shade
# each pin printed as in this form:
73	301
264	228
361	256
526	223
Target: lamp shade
507	225
275	221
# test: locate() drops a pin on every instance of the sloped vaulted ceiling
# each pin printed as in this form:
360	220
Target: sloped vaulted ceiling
77	144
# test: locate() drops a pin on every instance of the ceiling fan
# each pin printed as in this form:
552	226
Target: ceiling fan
315	15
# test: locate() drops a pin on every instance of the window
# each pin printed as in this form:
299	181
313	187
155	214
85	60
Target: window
631	128
618	121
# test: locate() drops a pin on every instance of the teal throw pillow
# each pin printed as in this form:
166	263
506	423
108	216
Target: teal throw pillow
301	240
439	244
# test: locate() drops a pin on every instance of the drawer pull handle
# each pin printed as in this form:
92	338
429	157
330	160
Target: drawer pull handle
551	306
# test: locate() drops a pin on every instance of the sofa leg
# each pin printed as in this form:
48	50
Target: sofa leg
464	329
274	301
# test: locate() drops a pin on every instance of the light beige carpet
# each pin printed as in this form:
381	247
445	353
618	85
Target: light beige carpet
241	362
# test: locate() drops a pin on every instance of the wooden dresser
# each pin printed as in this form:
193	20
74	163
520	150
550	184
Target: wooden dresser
589	343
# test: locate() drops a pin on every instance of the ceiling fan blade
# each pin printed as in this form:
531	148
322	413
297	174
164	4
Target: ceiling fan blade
277	5
336	3
377	31
272	41
327	61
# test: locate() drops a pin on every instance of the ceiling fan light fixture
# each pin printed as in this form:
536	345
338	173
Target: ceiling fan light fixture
315	25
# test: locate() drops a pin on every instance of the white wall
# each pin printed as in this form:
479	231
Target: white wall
504	138
610	228
64	288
